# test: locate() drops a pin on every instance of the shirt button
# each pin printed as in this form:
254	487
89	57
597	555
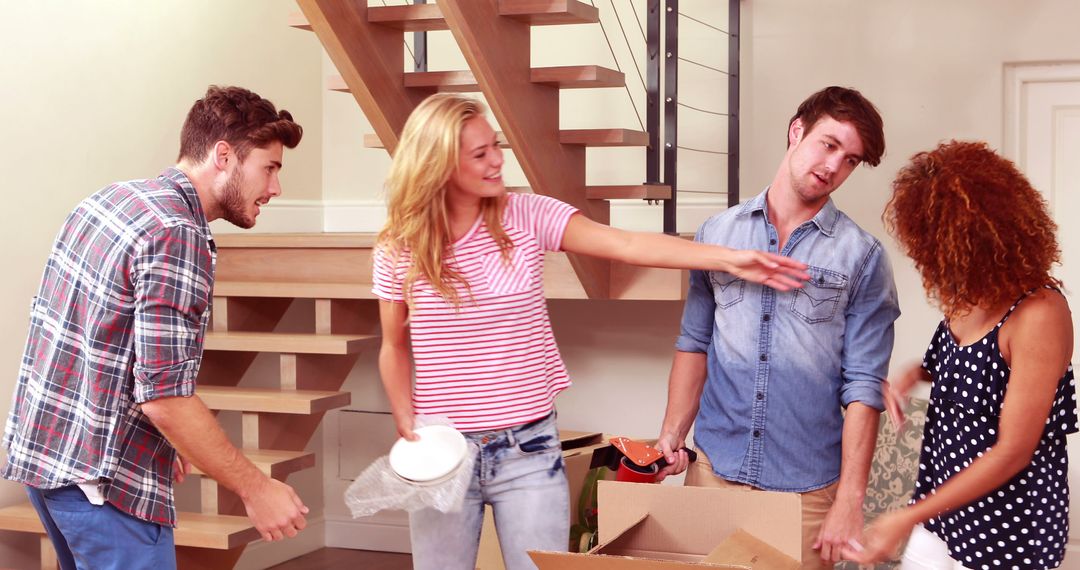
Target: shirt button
763	357
757	433
760	396
772	242
766	318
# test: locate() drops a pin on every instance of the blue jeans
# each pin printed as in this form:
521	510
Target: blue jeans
92	537
520	473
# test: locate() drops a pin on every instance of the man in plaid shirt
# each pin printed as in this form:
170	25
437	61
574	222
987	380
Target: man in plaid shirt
105	397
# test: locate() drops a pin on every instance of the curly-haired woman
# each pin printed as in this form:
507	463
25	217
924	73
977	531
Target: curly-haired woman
992	489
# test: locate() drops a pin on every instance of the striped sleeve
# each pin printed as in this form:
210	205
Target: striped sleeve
388	276
542	216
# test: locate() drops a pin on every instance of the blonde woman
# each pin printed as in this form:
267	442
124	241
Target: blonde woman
459	274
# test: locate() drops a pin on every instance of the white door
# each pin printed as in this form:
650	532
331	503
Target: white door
1042	135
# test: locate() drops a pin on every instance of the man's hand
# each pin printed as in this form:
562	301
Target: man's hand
776	271
843	524
676	457
275	510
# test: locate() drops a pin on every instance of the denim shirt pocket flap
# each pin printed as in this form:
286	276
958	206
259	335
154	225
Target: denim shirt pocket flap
819	297
727	288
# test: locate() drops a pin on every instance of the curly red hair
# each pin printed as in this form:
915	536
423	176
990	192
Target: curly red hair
979	233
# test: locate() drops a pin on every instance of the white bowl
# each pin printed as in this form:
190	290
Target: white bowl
432	458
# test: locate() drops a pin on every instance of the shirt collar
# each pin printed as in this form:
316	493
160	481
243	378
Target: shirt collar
825	219
177	180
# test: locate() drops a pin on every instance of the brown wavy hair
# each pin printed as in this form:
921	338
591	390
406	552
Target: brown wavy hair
239	117
845	105
979	233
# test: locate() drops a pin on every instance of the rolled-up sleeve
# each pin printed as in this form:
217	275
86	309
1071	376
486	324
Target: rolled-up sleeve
172	275
869	334
698	318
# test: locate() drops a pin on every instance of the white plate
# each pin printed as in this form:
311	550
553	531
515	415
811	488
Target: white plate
435	455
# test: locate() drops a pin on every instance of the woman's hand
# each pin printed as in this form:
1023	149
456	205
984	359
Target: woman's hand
405	425
897	389
772	270
882	540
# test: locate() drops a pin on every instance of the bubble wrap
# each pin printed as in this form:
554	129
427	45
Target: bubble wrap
377	488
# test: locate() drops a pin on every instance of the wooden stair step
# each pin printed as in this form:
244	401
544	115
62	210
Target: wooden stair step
274	463
271	400
409	18
429	18
218	532
563	77
292	343
549	12
638	192
634	192
580	137
293	290
332	240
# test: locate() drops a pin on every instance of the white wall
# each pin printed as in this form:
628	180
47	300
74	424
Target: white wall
95	92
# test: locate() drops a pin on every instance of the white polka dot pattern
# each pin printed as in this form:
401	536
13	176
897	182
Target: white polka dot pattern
1024	524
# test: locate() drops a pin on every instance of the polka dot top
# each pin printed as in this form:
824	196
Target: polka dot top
1024	524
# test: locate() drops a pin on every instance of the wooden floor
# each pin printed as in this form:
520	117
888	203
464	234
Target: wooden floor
345	558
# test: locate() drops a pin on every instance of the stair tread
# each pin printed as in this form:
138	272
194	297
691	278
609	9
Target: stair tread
581	137
429	18
331	240
273	462
632	192
271	400
549	12
564	77
293	289
291	343
219	532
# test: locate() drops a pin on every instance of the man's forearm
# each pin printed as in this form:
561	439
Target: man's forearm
859	440
687	380
195	433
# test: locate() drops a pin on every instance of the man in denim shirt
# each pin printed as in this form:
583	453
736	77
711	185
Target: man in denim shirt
766	375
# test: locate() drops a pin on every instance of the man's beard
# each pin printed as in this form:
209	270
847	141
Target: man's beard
234	209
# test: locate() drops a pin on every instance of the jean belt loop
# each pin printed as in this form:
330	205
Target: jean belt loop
510	437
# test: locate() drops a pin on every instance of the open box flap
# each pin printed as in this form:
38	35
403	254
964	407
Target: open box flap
694	520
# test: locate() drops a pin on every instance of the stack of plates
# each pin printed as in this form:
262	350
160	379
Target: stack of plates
432	459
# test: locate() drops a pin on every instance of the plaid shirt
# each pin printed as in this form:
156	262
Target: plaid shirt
119	320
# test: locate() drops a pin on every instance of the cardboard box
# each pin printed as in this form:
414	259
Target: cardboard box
665	527
577	447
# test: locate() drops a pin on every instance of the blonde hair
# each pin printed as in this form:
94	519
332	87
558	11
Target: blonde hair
417	220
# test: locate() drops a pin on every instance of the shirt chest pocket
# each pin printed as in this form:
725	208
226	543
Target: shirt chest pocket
521	274
728	290
819	298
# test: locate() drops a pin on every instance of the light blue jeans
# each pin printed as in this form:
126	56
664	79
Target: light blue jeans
92	537
520	473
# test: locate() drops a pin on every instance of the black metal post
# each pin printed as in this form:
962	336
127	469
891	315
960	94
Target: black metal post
652	94
733	104
420	46
671	110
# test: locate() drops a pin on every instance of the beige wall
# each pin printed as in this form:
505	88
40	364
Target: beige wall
95	92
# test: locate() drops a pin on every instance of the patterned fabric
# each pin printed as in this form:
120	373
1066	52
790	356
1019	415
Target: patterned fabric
1025	522
491	363
119	320
892	473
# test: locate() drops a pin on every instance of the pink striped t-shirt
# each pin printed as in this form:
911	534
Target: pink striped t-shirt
491	363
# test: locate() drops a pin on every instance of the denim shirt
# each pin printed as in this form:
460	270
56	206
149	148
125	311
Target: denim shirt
782	365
